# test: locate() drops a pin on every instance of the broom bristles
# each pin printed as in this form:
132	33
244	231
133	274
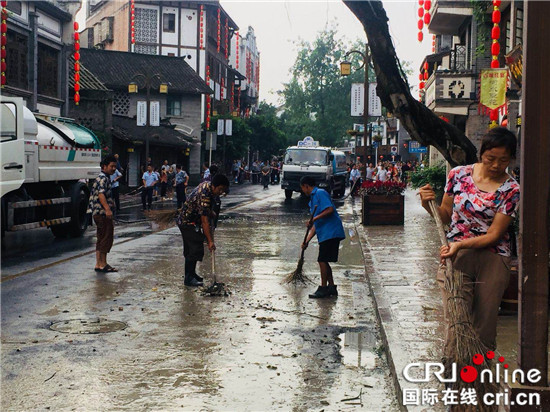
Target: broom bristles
298	275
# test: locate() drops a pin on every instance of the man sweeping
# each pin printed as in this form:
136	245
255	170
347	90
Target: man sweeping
328	227
194	224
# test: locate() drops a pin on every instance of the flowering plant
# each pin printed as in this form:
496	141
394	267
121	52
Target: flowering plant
381	188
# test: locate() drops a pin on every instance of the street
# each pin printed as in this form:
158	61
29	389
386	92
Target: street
140	339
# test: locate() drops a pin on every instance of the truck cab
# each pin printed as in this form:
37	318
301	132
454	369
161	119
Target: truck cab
326	166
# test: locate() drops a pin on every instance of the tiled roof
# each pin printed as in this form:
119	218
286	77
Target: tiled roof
87	79
117	69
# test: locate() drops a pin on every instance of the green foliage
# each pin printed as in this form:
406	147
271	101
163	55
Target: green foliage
236	146
479	10
436	176
317	98
266	134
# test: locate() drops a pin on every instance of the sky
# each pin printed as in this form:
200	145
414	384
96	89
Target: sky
278	23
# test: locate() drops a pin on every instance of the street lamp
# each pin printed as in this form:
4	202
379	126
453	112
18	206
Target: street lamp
146	81
345	70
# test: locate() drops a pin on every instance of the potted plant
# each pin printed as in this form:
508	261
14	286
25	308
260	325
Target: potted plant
383	203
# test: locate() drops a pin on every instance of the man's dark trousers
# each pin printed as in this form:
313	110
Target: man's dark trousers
180	194
147	192
116	196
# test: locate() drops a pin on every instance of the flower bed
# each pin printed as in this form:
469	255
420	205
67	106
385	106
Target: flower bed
381	188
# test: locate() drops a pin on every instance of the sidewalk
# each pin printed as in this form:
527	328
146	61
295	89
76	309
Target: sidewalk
401	265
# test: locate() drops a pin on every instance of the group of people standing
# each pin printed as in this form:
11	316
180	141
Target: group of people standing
383	172
259	172
164	181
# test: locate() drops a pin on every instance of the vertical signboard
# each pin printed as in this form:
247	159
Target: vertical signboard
229	127
155	113
141	114
357	100
220	126
375	105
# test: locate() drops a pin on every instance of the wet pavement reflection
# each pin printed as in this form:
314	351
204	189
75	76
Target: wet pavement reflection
266	346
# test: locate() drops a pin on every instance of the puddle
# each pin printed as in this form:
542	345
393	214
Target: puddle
357	349
91	326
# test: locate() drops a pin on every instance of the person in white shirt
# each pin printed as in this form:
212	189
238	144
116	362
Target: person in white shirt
370	172
382	175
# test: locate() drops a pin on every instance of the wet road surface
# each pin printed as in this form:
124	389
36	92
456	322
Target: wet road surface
266	346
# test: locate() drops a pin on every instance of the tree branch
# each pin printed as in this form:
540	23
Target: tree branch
421	123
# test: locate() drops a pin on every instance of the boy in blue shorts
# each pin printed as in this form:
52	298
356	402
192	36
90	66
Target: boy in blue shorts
328	227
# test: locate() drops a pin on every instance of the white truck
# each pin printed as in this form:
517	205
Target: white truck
328	167
46	162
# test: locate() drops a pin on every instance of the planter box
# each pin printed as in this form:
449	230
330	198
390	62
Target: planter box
383	210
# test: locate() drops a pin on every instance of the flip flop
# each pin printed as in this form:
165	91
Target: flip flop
108	268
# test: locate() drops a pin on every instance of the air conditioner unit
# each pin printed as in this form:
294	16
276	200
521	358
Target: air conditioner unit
97	33
107	29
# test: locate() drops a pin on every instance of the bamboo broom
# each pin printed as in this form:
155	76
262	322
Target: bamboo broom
463	342
298	275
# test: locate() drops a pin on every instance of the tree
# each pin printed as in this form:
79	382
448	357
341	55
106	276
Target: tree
266	136
317	99
393	90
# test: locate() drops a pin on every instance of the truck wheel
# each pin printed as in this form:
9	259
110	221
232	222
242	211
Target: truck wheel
288	194
79	218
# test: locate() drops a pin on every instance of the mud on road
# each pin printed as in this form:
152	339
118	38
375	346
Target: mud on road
265	346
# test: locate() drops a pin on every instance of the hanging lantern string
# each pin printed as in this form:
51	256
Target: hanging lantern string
495	51
237	49
3	34
219	29
133	21
202	28
76	57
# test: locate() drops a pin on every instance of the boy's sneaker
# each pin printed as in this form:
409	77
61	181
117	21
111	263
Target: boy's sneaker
332	290
320	293
197	277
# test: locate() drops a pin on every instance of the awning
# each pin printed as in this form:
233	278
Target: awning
125	128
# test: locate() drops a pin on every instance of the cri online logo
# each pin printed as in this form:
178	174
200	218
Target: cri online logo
469	373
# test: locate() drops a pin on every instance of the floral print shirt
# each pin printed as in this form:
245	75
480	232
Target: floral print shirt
199	203
474	209
102	184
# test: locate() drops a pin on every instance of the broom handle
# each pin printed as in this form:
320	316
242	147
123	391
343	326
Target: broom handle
440	230
307	230
213	261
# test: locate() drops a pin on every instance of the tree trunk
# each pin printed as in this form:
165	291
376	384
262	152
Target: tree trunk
392	88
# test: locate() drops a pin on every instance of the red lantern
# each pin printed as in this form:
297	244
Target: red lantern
421	85
77	67
4	28
4	14
427	18
426	75
495	49
420	77
76	98
420	12
496	3
77	77
3	53
496	16
76	46
420	24
427	5
4	40
77	37
3	80
4	3
426	66
420	36
420	2
495	33
495	64
493	115
77	56
3	66
75	25
76	87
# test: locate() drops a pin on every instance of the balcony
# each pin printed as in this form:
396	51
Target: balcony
448	16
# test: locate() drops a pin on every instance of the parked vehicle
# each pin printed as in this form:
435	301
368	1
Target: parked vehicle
46	162
327	166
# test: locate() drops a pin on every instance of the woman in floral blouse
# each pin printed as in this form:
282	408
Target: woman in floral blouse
479	204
